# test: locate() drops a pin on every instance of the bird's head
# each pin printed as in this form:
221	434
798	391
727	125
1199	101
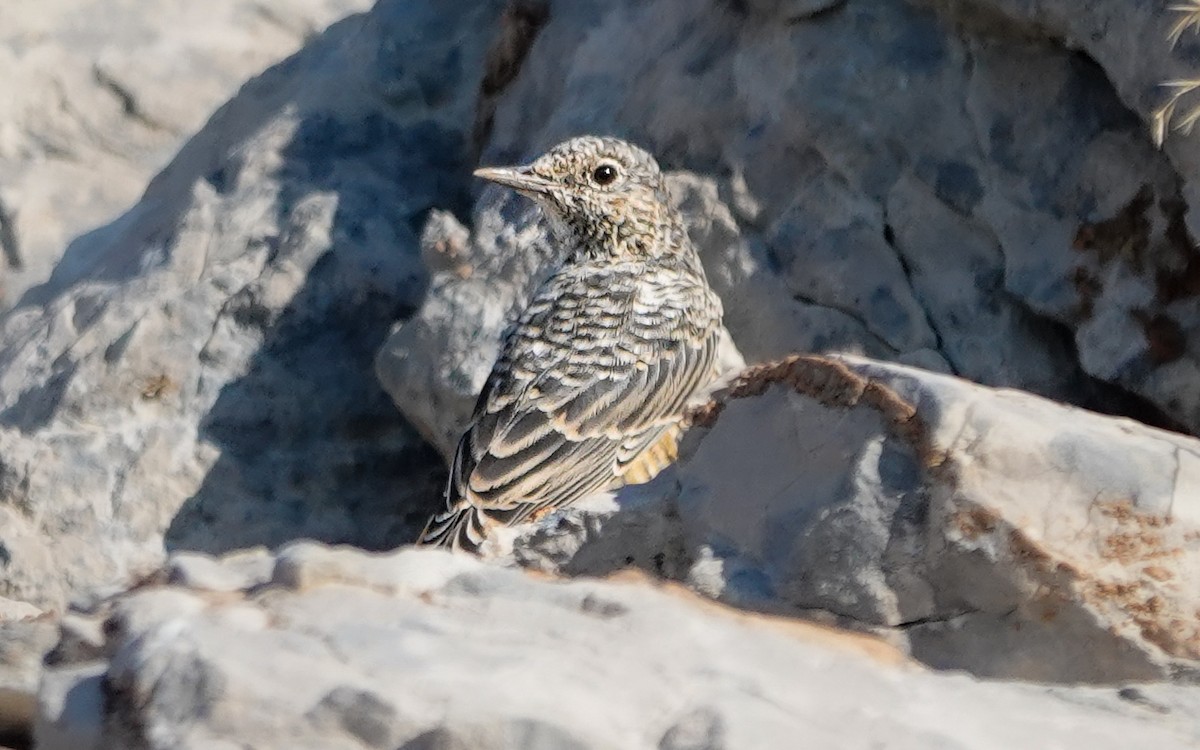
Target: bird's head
603	196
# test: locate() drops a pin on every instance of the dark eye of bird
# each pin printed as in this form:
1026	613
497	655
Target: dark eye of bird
604	174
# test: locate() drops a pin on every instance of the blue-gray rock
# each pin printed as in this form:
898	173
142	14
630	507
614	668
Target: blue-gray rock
197	375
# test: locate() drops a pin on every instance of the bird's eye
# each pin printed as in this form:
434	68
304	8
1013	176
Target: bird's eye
604	174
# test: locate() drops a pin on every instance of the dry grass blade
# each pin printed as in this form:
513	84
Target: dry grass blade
1188	122
1158	125
1188	20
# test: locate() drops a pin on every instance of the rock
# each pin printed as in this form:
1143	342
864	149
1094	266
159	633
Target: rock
71	707
992	531
15	611
1136	57
233	572
199	371
455	653
878	182
101	98
786	10
869	179
23	643
911	216
950	186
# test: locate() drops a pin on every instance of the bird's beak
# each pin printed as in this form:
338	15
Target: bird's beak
520	178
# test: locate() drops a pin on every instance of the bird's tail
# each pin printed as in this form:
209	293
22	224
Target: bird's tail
658	456
459	528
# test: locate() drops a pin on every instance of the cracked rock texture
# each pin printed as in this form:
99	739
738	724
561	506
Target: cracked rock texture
422	649
980	529
969	187
199	372
100	94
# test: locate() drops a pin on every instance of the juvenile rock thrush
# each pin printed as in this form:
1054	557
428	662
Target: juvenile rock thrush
593	378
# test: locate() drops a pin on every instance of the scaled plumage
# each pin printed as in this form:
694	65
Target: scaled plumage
593	378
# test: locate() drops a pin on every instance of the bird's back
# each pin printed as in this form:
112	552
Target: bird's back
590	386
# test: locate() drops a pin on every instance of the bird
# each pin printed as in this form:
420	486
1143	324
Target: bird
593	378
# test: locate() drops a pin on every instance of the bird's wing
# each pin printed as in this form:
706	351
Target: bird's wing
599	367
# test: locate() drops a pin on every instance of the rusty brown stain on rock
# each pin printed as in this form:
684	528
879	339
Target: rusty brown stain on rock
862	644
156	387
1151	615
1024	549
1153	238
1126	235
1087	289
1132	546
1124	511
1141	537
1165	339
975	522
832	383
1138	536
1182	279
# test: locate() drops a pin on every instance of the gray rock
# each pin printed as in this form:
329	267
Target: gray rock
871	179
950	186
23	643
786	10
991	531
71	707
880	184
197	375
457	654
100	98
233	572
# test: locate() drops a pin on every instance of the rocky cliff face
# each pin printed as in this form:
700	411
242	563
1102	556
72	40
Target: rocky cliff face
99	97
285	334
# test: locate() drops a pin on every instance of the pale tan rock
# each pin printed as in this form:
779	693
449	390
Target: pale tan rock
470	655
201	368
11	610
981	529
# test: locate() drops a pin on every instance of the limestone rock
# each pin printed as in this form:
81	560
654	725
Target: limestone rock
940	184
24	641
200	370
986	530
870	178
11	611
422	648
233	572
99	97
954	186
